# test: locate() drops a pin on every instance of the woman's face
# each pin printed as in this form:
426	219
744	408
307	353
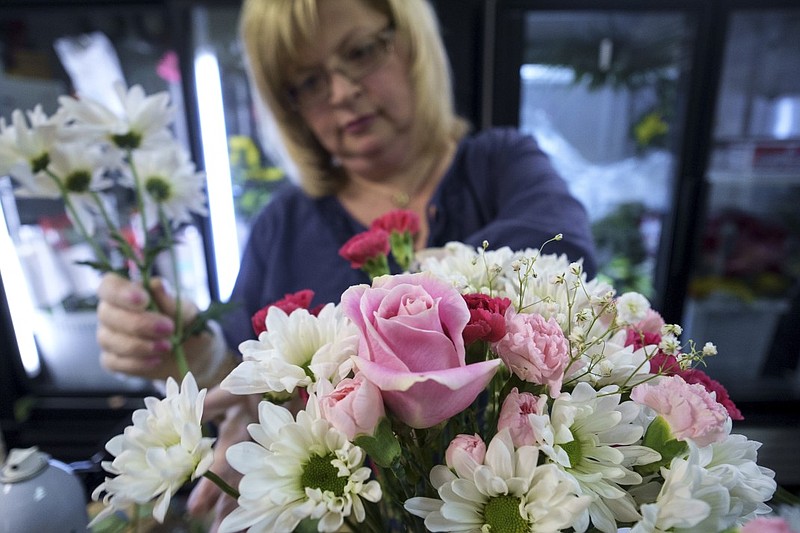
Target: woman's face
364	123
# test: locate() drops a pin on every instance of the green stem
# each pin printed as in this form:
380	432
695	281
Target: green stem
127	251
76	219
144	269
222	484
177	338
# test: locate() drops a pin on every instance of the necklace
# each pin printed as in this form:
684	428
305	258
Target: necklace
400	199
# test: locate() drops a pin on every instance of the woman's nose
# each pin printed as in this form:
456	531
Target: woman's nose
342	87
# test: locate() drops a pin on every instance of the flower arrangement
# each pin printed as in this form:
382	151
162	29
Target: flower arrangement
479	391
126	183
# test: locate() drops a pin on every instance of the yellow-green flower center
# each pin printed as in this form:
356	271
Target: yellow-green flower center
159	189
502	515
574	451
78	181
319	473
127	141
40	162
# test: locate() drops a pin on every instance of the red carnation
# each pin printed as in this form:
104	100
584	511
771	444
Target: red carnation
664	364
694	375
400	220
290	302
365	246
487	320
640	339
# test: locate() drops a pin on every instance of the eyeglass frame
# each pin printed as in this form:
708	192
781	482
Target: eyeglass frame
383	38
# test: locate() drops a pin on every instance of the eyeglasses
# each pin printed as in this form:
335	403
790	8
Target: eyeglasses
354	62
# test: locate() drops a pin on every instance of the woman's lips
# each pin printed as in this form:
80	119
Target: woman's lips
359	125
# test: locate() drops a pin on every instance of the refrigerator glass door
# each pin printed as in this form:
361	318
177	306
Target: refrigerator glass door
603	93
743	294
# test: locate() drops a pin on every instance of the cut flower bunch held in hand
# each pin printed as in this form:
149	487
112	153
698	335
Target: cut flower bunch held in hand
127	185
485	391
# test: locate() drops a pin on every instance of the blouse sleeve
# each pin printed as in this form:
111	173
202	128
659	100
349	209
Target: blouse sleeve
530	203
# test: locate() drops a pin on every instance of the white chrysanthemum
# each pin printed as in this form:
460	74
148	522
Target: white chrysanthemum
143	122
25	147
607	361
469	269
162	450
169	182
557	289
733	461
297	350
591	435
632	307
509	492
691	498
296	470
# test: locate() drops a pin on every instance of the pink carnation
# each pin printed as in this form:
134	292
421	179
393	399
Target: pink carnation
694	375
689	409
365	246
534	349
400	220
651	323
290	302
487	321
514	416
767	525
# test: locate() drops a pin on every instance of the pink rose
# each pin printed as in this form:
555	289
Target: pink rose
767	525
514	416
354	407
689	409
465	453
487	321
365	246
399	220
290	302
412	348
694	375
535	349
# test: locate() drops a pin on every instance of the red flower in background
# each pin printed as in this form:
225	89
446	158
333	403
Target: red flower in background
365	246
290	302
399	220
487	320
694	375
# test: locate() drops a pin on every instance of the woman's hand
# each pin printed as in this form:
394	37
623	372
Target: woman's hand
135	337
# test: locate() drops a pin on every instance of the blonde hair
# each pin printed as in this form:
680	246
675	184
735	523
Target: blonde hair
275	31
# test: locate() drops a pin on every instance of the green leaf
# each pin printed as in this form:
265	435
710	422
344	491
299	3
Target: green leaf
659	438
383	446
215	311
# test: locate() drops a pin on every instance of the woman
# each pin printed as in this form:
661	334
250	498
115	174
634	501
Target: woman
361	93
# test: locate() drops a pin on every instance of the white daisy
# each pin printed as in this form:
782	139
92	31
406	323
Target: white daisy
169	182
591	435
298	469
25	150
296	350
142	124
162	450
508	493
77	171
